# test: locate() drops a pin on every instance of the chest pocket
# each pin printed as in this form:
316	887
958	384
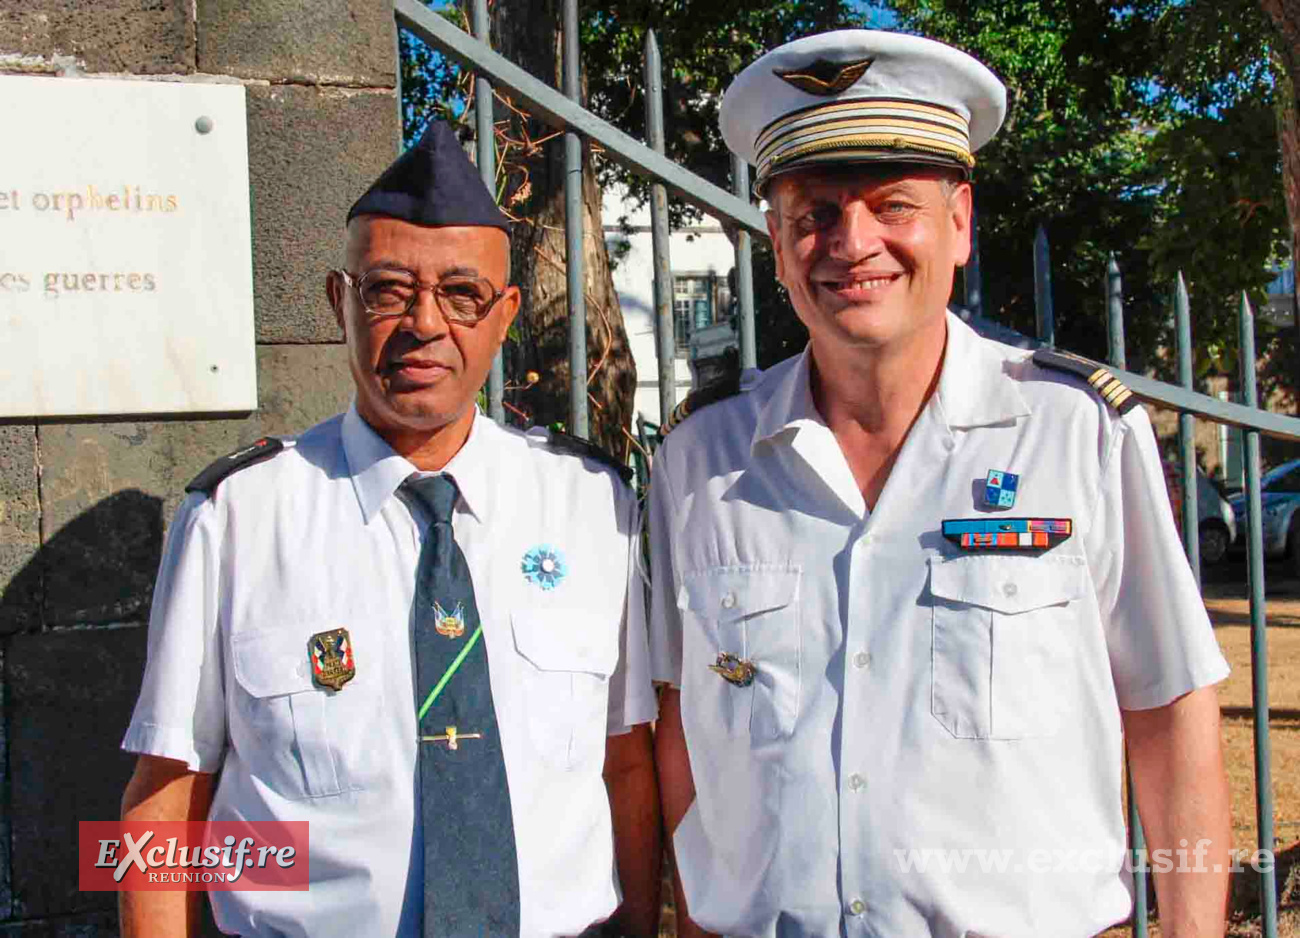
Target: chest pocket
752	613
301	740
568	658
1003	627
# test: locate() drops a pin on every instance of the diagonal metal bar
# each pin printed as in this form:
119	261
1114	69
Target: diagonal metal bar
1202	405
551	106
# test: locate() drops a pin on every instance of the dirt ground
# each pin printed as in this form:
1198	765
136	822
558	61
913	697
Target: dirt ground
1227	599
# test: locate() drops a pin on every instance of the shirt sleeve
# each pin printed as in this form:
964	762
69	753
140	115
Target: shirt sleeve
665	616
1160	640
180	713
631	694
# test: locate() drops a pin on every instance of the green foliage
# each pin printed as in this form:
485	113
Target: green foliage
1143	129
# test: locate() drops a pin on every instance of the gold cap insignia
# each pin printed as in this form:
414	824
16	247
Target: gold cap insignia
823	77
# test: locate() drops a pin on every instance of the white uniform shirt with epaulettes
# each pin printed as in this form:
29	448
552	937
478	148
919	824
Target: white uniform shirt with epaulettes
911	696
319	537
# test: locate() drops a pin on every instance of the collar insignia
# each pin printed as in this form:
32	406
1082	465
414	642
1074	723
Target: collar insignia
824	78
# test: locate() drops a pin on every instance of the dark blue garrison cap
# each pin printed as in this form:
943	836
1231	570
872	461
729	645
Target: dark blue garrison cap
433	183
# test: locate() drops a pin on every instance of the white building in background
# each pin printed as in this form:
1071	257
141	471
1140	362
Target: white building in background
700	258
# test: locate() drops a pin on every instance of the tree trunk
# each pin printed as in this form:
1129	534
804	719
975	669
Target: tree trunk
528	32
1285	15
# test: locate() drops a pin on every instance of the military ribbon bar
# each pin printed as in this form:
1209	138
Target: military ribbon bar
1026	534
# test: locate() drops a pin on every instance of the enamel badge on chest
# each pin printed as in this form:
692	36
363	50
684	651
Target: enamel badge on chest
332	664
544	566
1000	489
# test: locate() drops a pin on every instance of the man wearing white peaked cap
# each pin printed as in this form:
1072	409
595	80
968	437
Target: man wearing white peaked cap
914	589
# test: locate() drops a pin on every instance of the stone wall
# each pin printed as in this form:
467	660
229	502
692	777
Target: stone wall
84	505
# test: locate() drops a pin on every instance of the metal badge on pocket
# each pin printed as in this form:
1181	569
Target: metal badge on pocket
332	664
734	670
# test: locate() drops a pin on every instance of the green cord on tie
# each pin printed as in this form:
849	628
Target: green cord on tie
447	675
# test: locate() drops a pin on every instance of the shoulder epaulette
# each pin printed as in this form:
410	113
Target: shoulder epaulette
576	446
208	480
700	398
1112	390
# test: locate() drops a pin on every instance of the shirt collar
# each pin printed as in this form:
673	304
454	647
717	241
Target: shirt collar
974	389
789	403
377	471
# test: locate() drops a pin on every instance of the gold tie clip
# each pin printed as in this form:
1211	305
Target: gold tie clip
452	737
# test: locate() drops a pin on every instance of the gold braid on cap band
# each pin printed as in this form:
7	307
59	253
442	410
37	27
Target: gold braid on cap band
878	127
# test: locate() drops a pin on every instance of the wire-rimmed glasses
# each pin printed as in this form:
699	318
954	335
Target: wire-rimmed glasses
390	291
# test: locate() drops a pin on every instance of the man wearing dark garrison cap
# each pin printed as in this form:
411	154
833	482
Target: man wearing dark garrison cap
913	589
418	631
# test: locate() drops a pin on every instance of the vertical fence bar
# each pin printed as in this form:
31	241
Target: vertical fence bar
573	225
972	282
1115	314
1137	840
1187	431
1258	637
665	338
1043	289
744	269
485	138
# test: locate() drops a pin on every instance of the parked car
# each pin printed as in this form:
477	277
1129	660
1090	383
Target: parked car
1217	526
1279	499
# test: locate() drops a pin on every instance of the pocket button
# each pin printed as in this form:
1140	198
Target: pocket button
729	601
1009	590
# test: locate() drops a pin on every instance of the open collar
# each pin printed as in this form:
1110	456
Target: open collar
974	389
377	471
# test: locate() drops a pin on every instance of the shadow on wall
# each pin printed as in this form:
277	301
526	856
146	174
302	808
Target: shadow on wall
73	621
98	568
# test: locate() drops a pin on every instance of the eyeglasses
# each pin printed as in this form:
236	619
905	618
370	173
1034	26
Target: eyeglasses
392	292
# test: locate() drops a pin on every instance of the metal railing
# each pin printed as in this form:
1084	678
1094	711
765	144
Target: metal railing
564	112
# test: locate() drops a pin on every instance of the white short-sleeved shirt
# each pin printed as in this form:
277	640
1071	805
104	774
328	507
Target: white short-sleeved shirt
910	696
317	538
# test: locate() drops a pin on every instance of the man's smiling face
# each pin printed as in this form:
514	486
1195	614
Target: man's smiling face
868	256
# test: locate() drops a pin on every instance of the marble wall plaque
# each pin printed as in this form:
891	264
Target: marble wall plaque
125	249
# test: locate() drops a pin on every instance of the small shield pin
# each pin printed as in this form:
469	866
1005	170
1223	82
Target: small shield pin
332	663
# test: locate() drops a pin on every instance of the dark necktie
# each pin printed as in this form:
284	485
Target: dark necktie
471	875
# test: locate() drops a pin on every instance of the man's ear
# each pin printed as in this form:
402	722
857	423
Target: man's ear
507	310
774	234
335	290
961	207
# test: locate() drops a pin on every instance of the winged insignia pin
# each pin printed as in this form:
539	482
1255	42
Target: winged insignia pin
824	77
734	670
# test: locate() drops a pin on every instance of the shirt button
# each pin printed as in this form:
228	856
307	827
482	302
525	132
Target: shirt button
1009	590
729	601
857	907
861	660
856	781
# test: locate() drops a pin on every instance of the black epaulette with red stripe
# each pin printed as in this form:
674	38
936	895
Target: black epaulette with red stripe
1113	391
260	451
